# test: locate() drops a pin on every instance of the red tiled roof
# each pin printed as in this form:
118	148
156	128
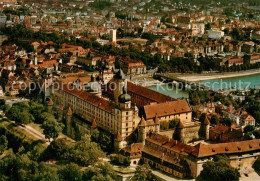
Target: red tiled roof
50	103
147	93
94	124
204	150
69	113
133	148
166	108
118	137
91	98
235	60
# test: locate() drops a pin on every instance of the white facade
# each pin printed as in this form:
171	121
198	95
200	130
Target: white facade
215	34
112	37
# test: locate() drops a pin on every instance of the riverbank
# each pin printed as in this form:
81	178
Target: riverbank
209	76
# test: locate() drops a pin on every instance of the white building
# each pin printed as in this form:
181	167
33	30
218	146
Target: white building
112	36
214	34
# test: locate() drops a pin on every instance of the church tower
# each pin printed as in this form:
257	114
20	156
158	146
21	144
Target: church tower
124	100
119	84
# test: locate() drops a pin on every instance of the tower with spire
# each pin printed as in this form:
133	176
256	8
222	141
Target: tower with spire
50	105
93	126
126	114
124	100
119	82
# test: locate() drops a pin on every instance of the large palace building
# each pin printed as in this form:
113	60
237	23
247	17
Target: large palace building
118	112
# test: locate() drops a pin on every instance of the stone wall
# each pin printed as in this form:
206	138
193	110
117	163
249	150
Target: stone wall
190	134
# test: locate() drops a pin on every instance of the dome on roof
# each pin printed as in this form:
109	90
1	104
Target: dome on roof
93	87
123	98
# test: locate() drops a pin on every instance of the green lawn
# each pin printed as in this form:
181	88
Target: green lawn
124	170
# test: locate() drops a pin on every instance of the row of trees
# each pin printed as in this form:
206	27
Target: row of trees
218	169
164	125
21	167
84	152
72	158
252	106
34	111
202	96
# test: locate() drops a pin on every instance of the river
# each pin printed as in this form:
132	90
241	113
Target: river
245	82
169	90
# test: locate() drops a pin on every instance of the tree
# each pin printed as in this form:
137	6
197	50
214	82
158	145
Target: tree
143	173
218	110
13	113
214	119
24	118
47	173
194	114
257	134
202	117
101	171
173	123
19	113
127	161
70	172
85	152
21	167
227	121
207	26
37	109
3	144
45	116
57	149
52	128
219	169
248	129
2	102
164	125
5	108
105	141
